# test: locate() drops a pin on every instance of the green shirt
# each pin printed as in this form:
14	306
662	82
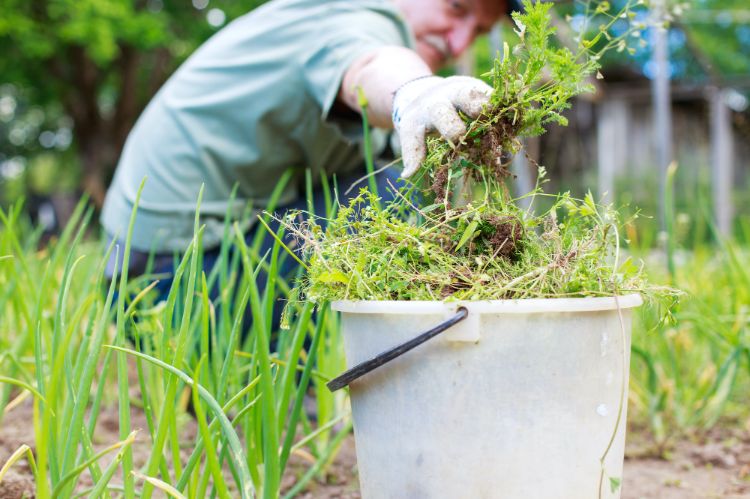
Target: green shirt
250	103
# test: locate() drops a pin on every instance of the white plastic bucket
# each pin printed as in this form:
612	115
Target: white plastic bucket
523	399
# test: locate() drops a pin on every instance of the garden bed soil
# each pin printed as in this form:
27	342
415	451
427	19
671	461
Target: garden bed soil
715	466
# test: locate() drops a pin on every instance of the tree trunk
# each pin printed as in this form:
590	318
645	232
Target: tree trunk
82	106
99	138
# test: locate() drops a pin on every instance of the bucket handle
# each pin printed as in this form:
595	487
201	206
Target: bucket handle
383	358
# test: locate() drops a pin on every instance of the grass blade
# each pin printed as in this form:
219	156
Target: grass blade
213	464
23	450
56	492
163	486
24	385
228	430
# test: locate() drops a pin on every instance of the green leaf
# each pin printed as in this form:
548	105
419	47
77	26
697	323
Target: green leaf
23	451
333	276
24	385
588	207
468	233
628	267
432	207
614	484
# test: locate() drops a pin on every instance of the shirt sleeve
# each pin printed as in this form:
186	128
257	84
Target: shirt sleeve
342	39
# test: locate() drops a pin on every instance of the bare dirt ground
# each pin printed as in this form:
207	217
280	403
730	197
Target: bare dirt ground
717	466
714	466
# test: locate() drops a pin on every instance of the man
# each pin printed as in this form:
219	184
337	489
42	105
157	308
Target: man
277	89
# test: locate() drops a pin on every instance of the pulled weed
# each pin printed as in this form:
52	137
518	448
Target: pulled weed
472	241
477	252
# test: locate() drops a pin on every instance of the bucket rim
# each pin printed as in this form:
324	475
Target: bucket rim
517	306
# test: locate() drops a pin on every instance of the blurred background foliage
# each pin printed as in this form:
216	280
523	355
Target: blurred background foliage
75	75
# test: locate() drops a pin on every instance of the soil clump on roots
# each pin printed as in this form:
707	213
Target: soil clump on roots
492	146
506	239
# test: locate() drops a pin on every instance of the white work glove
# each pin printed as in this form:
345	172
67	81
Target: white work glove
431	104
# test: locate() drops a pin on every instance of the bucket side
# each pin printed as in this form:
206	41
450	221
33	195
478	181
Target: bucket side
527	411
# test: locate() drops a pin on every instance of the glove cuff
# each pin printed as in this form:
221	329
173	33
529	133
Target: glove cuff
407	92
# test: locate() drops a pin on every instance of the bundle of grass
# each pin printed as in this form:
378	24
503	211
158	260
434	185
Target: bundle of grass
471	240
480	252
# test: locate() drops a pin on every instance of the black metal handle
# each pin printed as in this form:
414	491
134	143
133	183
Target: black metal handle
365	367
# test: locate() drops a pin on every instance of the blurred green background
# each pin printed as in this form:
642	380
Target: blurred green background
75	75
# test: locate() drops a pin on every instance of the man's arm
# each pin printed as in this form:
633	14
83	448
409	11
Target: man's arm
402	93
379	74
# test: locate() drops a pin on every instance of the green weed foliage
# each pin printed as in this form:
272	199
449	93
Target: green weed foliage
487	251
533	83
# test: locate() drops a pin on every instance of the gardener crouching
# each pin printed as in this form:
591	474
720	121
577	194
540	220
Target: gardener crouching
278	89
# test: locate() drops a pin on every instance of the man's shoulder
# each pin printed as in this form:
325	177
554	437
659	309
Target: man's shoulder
323	12
385	6
288	25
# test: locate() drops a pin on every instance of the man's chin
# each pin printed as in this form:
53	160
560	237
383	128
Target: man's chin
434	63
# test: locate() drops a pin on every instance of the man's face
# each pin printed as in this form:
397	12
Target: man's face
444	29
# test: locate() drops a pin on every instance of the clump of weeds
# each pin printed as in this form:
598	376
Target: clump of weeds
456	232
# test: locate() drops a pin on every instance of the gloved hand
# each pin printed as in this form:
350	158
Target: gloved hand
431	104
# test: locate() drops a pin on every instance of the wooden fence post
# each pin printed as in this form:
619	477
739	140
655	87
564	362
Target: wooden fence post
722	160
